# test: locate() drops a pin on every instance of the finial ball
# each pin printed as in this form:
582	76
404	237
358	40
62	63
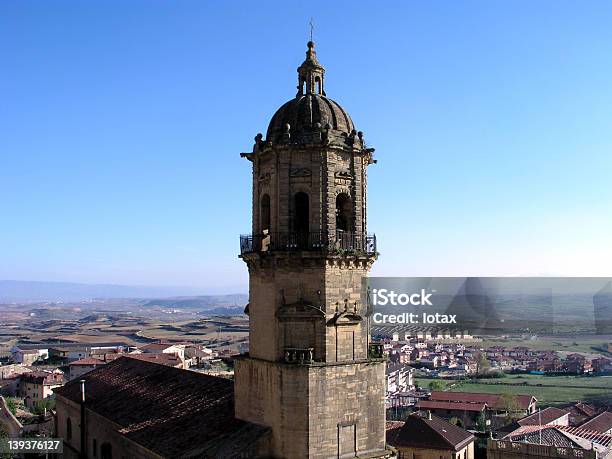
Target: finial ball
311	44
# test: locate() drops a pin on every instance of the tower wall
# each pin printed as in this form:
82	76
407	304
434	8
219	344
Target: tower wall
322	173
318	411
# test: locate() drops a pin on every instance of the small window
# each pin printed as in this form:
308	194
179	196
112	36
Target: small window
106	451
95	448
68	429
318	85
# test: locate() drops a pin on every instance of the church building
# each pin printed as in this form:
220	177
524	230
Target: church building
313	383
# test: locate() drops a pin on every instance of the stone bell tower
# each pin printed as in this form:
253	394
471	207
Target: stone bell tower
312	375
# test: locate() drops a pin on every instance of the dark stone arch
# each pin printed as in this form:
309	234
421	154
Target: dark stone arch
344	213
265	212
301	214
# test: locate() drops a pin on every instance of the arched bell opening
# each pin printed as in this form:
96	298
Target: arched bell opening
265	213
344	213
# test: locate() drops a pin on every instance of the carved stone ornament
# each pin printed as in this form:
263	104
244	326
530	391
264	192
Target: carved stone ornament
300	172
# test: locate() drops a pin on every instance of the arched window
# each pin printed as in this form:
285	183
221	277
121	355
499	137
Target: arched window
106	451
318	85
301	218
344	212
265	212
68	429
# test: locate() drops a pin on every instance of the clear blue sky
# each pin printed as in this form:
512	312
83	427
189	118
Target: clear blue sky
121	125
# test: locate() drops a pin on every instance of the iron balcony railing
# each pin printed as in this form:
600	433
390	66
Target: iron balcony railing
342	241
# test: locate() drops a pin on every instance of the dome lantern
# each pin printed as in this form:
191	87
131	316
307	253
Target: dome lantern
310	74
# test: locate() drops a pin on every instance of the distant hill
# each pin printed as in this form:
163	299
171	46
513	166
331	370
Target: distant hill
33	291
204	302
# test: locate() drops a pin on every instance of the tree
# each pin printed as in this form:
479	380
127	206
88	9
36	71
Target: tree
456	421
4	432
39	406
482	364
437	385
481	422
11	404
510	404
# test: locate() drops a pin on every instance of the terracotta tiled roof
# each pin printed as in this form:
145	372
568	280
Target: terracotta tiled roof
546	416
491	400
436	433
434	404
171	360
549	436
600	423
563	436
173	412
590	435
584	409
42	377
392	425
87	361
156	346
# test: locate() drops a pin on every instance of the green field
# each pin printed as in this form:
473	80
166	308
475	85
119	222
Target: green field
584	343
549	390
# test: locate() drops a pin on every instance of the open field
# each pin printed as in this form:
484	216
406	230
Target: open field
546	395
127	321
585	344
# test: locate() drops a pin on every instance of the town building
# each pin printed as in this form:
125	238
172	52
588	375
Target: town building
197	354
27	354
170	360
83	366
547	416
9	378
400	378
469	407
467	414
430	437
164	348
580	413
550	441
70	352
37	386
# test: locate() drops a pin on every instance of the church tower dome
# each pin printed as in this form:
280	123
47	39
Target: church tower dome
310	117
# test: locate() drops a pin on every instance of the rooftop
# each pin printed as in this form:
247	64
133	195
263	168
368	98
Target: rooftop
436	405
575	432
546	416
492	400
600	423
87	361
583	409
429	432
40	377
171	360
173	412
